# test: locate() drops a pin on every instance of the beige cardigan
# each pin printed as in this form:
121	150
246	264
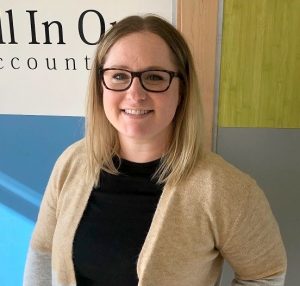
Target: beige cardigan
217	213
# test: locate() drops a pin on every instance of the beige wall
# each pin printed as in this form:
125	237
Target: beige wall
197	20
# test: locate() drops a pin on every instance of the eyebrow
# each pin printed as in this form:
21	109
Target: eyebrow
144	69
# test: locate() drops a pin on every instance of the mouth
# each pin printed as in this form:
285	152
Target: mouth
136	111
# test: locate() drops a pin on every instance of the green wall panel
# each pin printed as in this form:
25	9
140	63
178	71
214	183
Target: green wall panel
260	64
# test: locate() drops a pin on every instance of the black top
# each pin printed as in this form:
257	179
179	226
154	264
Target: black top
115	224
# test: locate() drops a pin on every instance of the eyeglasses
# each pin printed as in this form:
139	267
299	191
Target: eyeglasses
151	80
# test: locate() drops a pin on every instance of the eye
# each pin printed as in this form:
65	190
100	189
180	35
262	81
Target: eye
120	76
153	76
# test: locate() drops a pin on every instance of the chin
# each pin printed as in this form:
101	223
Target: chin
137	135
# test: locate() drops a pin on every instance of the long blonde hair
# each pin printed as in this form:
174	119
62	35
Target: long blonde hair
186	147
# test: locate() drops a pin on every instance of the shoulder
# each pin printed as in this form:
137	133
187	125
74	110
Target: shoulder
72	161
75	153
215	170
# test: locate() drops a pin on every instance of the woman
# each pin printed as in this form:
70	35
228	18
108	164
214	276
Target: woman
138	202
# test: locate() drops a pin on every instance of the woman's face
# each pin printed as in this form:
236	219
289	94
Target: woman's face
136	113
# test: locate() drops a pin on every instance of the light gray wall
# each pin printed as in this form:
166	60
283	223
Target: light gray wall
272	157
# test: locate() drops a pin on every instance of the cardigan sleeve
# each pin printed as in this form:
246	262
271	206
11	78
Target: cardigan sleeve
277	280
38	263
254	246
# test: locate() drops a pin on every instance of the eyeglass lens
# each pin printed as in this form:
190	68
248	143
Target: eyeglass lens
154	80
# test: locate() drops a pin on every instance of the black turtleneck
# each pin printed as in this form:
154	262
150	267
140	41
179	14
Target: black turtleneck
115	224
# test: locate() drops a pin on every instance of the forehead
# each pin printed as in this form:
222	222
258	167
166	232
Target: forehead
140	50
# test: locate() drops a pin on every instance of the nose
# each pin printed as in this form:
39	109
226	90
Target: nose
136	91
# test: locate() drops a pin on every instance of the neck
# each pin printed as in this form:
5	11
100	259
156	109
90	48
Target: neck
141	151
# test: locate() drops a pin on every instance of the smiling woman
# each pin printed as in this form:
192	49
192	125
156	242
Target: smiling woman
141	117
138	202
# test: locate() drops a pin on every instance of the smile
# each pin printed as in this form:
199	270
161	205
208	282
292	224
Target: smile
136	111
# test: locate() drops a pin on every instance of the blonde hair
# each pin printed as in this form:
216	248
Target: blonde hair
185	149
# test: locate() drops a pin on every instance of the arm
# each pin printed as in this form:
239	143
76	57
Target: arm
254	247
277	280
37	269
38	263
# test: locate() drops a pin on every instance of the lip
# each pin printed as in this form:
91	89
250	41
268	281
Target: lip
136	112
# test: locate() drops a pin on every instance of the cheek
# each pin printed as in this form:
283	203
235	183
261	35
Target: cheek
111	98
105	100
172	110
110	104
172	103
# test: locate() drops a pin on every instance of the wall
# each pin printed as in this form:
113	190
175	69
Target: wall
29	146
259	107
197	21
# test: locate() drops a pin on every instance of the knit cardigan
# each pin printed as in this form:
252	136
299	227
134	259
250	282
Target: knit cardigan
217	213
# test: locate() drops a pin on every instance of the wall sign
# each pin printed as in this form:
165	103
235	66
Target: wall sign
46	50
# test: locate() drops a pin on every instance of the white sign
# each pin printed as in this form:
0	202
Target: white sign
46	50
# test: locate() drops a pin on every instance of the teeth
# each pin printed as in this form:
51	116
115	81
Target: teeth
136	111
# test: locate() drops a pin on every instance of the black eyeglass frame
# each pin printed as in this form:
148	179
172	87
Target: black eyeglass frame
139	76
